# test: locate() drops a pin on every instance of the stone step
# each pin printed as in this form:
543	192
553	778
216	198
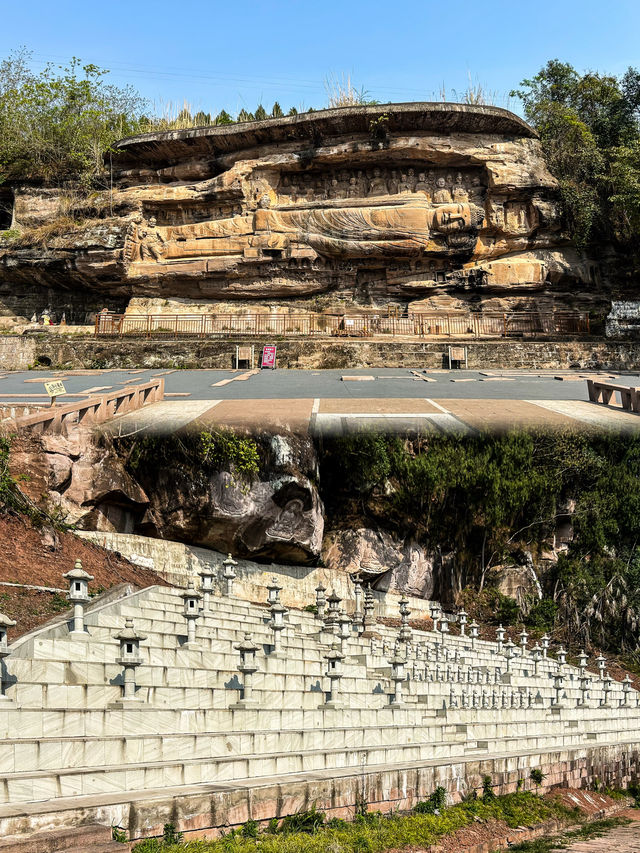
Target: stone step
94	837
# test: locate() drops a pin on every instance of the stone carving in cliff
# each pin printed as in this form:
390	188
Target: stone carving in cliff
450	198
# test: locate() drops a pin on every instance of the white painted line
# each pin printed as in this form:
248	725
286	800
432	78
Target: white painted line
316	406
438	406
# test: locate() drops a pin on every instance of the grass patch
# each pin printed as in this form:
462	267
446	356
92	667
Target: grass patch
559	842
310	832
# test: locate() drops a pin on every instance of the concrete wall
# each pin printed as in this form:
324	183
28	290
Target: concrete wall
74	352
178	563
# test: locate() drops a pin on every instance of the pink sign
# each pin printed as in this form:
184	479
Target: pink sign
269	357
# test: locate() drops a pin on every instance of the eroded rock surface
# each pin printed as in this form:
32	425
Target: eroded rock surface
368	205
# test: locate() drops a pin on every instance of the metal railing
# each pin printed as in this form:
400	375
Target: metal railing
424	324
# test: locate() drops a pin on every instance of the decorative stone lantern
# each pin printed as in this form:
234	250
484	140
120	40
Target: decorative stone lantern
558	684
369	609
545	641
273	591
523	641
332	616
435	614
79	595
334	658
536	654
398	676
473	633
358	622
247	667
462	621
444	626
321	600
277	625
191	597
5	624
344	628
509	652
606	687
584	688
602	665
206	585
561	655
229	574
582	661
357	592
500	638
129	658
405	630
626	690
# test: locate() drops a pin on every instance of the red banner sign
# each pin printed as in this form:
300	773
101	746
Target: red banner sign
269	356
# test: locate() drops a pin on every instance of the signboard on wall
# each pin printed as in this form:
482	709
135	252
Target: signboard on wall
269	356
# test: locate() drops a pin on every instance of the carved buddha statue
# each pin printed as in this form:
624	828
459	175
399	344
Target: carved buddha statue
441	194
378	185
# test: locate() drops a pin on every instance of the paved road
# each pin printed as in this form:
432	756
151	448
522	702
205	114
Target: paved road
622	839
330	402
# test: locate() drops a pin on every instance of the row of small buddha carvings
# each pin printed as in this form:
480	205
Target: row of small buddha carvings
438	187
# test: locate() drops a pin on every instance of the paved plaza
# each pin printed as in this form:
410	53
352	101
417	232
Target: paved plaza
330	402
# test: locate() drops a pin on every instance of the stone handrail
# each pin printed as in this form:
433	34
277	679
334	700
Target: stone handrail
603	392
93	410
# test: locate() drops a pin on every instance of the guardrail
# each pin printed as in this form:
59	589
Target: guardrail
93	410
423	324
603	392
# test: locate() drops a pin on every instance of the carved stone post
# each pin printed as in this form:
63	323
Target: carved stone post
523	641
626	690
344	629
369	609
606	686
545	640
334	658
274	589
509	651
206	585
79	595
332	616
398	676
5	624
536	654
462	621
473	633
405	630
276	623
561	655
444	627
357	592
321	601
435	614
558	684
500	638
247	667
191	597
229	574
602	665
129	658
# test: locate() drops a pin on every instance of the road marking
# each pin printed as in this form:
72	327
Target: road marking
316	406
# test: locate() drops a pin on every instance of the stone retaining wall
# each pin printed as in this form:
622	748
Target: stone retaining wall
17	353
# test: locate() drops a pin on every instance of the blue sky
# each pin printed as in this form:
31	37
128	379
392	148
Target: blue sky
237	54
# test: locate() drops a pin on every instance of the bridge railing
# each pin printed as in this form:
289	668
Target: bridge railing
92	410
418	324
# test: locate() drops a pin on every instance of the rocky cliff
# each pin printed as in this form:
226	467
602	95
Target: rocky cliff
416	205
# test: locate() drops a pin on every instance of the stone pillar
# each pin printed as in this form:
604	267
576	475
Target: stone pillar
523	641
558	684
248	667
602	665
357	592
5	624
79	595
606	687
626	690
229	574
334	658
273	591
435	615
206	585
509	652
344	629
321	601
473	633
191	597
462	621
444	627
500	638
545	640
277	625
369	609
405	631
561	656
398	676
129	658
332	616
536	654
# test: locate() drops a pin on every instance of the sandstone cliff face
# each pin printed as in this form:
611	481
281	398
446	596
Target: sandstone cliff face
358	207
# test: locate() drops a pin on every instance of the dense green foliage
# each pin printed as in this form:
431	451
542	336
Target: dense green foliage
57	124
589	125
371	833
491	499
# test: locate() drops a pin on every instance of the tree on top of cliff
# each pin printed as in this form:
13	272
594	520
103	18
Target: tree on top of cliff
590	130
55	125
